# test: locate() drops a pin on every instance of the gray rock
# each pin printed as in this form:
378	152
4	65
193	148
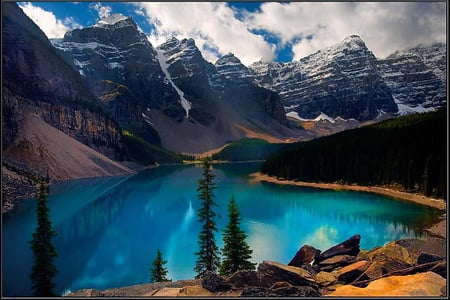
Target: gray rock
244	278
214	283
348	247
336	262
427	257
304	256
270	272
255	292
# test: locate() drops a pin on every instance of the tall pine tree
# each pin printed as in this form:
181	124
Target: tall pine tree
208	255
44	252
158	272
236	251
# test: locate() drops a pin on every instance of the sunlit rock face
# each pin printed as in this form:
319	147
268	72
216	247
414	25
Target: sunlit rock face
427	284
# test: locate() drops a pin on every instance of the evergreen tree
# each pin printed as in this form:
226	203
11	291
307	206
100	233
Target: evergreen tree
208	255
158	272
44	252
236	251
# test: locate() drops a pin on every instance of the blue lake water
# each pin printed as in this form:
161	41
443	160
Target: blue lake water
109	229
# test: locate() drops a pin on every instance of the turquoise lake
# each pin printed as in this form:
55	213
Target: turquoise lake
109	229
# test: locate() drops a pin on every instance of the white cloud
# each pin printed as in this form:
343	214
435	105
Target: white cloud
211	24
52	27
71	23
384	26
103	11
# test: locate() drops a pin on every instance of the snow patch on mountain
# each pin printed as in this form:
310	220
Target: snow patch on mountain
110	20
162	61
406	110
321	117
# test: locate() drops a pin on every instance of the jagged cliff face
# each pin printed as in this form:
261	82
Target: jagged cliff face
122	69
186	69
347	81
137	82
243	93
417	76
37	81
340	81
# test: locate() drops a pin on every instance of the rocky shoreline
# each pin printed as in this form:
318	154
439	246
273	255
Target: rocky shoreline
407	267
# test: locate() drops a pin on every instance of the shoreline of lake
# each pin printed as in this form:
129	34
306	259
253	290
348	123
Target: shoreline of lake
416	198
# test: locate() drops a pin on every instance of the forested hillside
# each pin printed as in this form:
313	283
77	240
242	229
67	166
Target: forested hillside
409	151
248	149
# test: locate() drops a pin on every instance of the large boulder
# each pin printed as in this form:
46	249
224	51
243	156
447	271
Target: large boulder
304	256
214	283
373	272
350	273
255	291
270	272
348	247
325	278
285	289
389	264
335	262
430	245
392	251
244	278
281	289
427	284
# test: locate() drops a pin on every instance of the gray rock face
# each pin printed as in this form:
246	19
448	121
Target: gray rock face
341	80
193	75
203	83
36	80
272	272
244	94
121	67
347	247
304	256
244	278
416	76
232	69
346	80
214	283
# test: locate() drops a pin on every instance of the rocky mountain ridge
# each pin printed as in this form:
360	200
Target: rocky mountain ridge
416	77
170	84
347	81
37	81
121	68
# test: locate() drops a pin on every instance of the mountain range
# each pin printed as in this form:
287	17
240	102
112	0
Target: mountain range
98	82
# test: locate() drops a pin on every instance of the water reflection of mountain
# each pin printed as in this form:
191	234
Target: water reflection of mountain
238	170
350	205
79	235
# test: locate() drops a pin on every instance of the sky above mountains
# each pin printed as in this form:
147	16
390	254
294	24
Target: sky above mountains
268	31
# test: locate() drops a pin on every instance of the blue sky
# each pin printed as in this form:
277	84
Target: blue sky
268	31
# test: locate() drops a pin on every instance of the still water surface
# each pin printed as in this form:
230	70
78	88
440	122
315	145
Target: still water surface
109	229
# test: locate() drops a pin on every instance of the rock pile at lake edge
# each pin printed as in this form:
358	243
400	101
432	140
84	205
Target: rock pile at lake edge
407	267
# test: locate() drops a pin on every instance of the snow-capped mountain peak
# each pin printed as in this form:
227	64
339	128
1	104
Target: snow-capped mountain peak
111	20
353	40
232	68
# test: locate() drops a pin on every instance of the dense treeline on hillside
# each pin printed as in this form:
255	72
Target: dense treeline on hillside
409	151
140	151
248	149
